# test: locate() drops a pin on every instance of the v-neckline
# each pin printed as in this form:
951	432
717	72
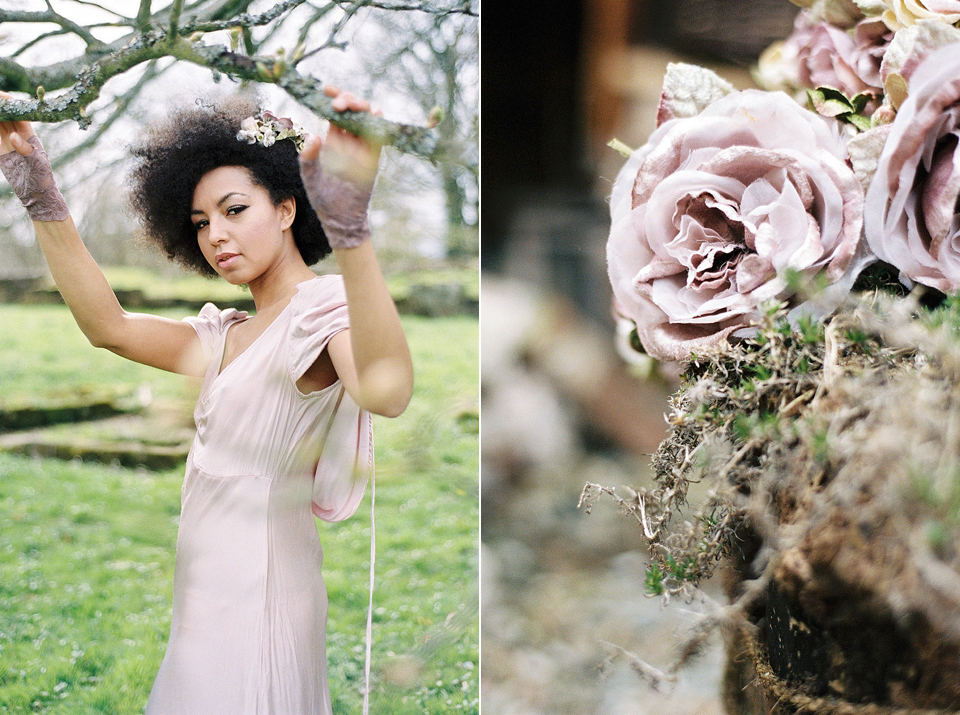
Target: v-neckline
221	368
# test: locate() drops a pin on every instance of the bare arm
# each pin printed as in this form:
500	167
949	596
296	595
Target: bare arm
149	339
160	342
372	358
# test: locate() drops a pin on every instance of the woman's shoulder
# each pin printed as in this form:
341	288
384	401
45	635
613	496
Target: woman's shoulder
324	292
215	319
211	323
318	312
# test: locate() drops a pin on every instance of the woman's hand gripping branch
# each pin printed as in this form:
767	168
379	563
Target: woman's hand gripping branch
25	165
372	359
148	339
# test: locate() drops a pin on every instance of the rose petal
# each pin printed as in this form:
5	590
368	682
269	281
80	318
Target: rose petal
909	47
940	191
895	218
668	341
752	272
865	149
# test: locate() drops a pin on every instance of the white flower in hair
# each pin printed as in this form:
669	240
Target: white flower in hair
268	128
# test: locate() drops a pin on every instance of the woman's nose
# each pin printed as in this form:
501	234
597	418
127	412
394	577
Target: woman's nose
217	232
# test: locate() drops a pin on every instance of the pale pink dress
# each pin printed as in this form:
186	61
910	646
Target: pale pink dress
249	601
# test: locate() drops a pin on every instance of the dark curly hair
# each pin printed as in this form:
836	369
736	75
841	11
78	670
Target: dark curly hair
174	155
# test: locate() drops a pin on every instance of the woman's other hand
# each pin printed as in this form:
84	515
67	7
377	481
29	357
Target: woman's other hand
340	152
338	174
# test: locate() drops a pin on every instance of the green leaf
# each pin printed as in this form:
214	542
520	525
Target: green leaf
830	102
859	121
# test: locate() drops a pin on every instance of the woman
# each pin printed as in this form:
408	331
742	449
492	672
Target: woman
283	417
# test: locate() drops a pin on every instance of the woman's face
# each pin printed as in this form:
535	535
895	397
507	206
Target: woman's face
240	231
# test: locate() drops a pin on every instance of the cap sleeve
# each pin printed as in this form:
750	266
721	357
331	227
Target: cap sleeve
320	313
346	461
210	323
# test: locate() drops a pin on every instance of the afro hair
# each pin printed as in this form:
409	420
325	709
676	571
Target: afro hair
175	154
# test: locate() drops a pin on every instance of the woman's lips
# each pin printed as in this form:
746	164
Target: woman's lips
225	260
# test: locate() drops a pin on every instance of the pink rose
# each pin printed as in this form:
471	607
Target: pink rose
824	55
911	205
871	38
282	122
714	212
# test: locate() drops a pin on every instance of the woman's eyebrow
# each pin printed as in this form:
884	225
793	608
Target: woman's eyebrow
221	201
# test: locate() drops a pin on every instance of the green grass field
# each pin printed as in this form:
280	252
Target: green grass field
87	551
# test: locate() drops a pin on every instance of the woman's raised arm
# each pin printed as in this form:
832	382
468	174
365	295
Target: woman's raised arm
372	359
152	340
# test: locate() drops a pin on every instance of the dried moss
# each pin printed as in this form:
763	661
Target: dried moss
831	460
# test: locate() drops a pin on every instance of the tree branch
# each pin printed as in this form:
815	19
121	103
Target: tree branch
17	78
51	17
122	104
168	39
242	20
463	7
72	104
143	15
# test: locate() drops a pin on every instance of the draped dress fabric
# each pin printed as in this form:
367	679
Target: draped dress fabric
249	601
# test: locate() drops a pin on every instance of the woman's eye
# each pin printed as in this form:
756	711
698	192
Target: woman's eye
200	225
234	210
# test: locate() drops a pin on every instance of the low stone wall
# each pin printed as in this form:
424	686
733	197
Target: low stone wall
428	300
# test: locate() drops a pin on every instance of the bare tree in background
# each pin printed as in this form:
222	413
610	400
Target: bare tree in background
433	59
101	63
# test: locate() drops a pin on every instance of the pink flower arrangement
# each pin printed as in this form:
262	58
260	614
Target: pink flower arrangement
737	194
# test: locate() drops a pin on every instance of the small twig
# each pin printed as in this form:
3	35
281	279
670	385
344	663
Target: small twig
793	407
647	530
656	677
749	445
143	14
174	20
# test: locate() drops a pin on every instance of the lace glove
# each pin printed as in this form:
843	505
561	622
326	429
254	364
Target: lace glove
31	178
340	201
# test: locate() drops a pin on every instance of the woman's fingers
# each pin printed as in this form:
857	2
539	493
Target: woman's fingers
342	101
14	138
311	148
362	154
14	135
345	101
